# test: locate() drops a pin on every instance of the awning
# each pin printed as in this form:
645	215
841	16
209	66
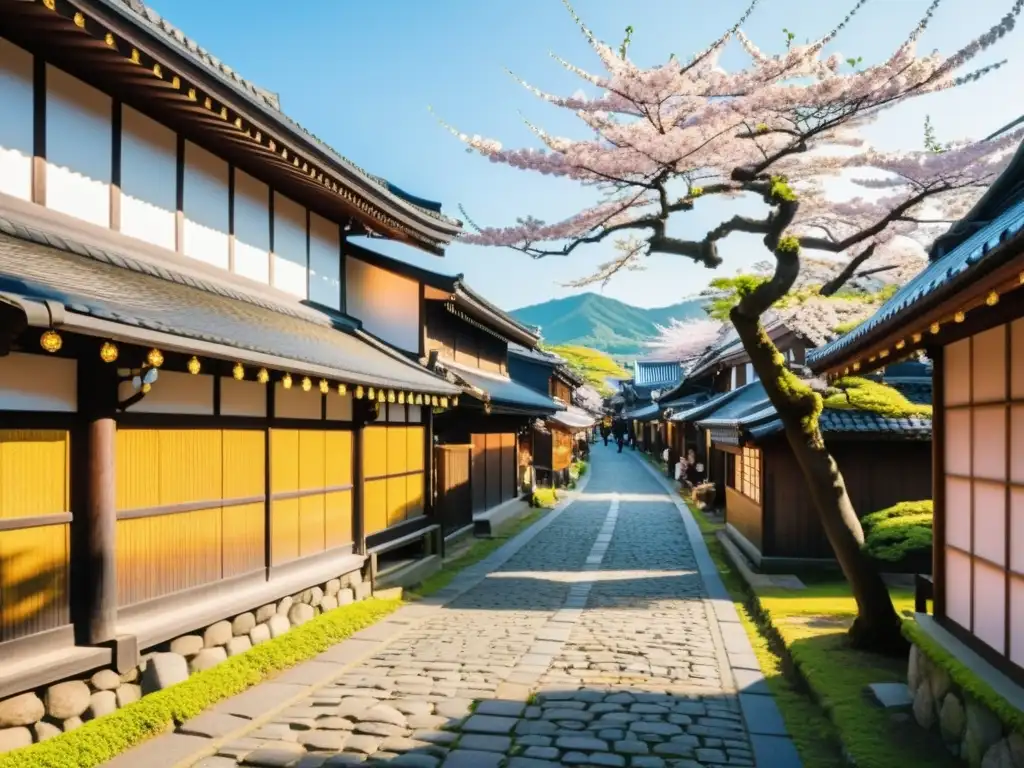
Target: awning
111	294
502	391
574	418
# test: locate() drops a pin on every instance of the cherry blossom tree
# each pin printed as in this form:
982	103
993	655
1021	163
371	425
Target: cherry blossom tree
666	137
685	340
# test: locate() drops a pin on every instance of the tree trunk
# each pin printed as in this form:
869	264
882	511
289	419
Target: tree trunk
877	626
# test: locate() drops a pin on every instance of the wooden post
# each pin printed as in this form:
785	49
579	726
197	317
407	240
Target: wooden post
94	528
358	474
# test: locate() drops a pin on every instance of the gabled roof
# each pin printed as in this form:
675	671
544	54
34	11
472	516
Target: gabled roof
657	373
702	410
500	390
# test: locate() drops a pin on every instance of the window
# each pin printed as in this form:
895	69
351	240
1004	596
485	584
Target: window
747	474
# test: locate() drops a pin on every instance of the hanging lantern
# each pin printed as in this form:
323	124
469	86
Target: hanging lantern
108	352
307	384
934	328
324	386
916	338
238	372
381	396
155	358
455	402
992	299
901	344
51	341
419	399
444	402
342	389
194	366
959	317
433	401
401	398
391	395
262	376
359	392
286	381
856	366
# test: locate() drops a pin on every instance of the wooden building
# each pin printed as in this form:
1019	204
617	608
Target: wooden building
650	379
967	310
438	320
200	412
884	460
551	442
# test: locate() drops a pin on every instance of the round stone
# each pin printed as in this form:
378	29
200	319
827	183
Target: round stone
259	634
128	694
187	646
105	680
206	658
332	586
101	703
243	624
217	634
265	612
300	613
283	605
278	625
65	700
237	645
45	731
328	603
316	595
14	738
24	709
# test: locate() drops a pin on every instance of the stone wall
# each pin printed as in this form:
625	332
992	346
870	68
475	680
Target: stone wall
967	727
47	712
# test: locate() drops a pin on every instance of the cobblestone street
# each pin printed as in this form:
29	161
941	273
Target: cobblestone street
598	643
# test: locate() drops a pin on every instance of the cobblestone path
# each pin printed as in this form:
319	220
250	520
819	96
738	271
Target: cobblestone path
596	644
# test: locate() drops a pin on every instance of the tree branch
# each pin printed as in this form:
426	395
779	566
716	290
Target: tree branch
847	272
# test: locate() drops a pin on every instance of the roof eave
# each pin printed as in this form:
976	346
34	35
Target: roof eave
490	314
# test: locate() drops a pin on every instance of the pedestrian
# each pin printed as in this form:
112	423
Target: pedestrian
620	440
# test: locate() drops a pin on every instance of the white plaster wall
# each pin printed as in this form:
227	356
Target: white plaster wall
242	398
294	403
38	383
324	262
415	414
252	227
16	124
205	203
175	392
387	304
149	160
396	413
289	246
78	148
339	408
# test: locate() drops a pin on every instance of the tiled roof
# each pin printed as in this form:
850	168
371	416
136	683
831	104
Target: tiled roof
648	411
147	18
748	401
136	297
536	355
942	272
656	374
681	402
502	390
574	418
709	406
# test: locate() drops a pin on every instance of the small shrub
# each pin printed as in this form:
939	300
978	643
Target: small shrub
900	534
544	497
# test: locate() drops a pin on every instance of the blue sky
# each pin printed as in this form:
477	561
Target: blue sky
361	75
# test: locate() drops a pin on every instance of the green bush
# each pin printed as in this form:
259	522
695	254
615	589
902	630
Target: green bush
103	739
901	533
542	497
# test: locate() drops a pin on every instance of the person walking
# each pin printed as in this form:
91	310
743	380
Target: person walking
619	430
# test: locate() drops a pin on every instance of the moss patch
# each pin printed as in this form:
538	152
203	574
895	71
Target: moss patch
544	498
807	630
1010	716
855	393
101	740
900	532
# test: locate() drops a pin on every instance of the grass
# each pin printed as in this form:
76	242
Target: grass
544	498
819	681
103	739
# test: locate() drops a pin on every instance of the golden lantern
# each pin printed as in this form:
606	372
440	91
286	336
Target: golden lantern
934	328
79	21
146	387
391	395
342	389
959	317
433	401
108	352
286	381
238	372
381	397
444	402
324	386
916	338
51	341
883	354
155	358
846	371
109	40
410	398
455	402
992	299
359	392
856	366
419	399
307	384
158	71
901	344
193	365
262	376
401	398
371	393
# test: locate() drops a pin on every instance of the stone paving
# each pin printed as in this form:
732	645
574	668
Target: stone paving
594	645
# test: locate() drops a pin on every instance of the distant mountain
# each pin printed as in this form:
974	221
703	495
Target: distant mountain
598	322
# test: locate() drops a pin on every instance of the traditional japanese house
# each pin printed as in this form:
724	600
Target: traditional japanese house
440	321
967	310
884	457
725	367
550	444
199	417
641	393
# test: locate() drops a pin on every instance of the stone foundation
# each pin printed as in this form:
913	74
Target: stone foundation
967	727
47	712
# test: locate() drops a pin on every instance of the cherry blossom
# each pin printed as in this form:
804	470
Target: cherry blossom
685	340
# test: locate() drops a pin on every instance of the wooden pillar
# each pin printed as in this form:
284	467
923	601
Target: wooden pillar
359	408
94	528
937	354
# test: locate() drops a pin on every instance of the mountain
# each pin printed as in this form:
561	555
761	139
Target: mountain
598	322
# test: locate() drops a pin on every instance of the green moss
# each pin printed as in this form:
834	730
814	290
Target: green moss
542	497
855	393
843	328
101	740
899	532
804	400
1010	716
788	244
781	191
696	192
